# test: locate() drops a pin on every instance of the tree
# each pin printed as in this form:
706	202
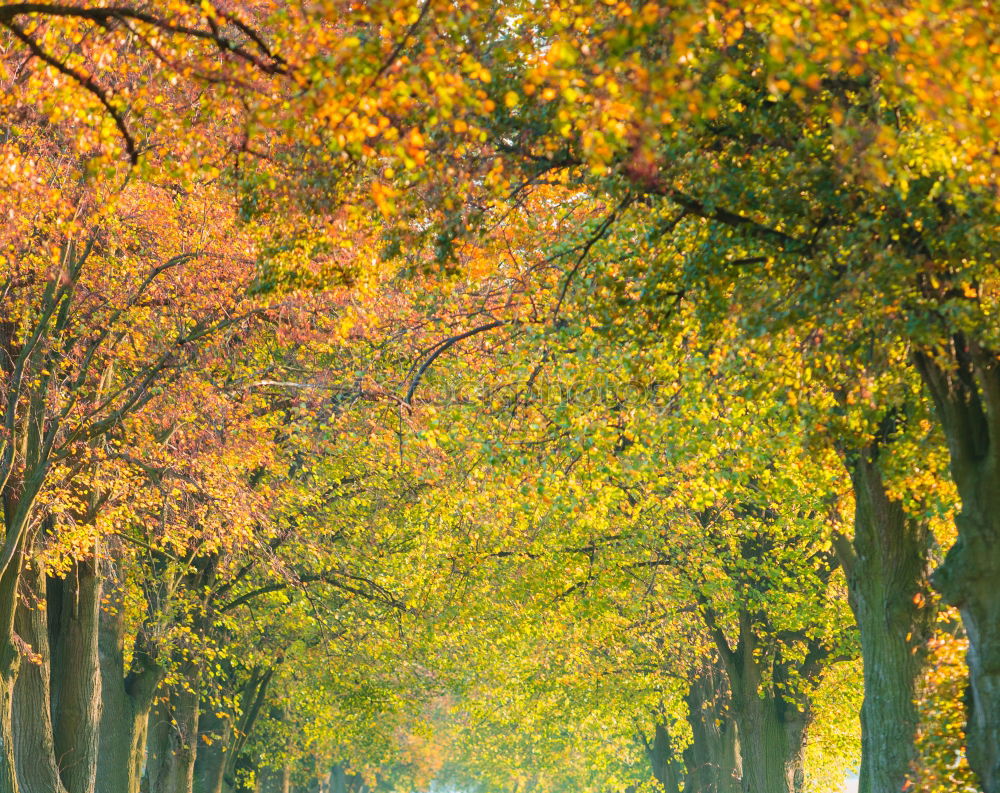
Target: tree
462	204
819	169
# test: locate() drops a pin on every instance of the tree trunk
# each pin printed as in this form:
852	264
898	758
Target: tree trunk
157	746
252	699
127	698
56	702
76	696
274	780
887	576
243	771
771	723
713	759
173	741
338	779
10	661
34	746
122	745
8	672
185	704
964	381
667	770
772	744
215	735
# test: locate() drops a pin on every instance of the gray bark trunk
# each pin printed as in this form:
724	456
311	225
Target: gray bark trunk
9	667
887	575
338	779
711	764
964	382
157	747
57	692
251	703
76	697
771	721
713	760
185	704
127	700
10	656
273	780
213	751
772	742
34	747
173	742
8	672
667	769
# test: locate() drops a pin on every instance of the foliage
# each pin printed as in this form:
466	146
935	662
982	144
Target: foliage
943	765
439	388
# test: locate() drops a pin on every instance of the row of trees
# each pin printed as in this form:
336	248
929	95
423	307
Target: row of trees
506	395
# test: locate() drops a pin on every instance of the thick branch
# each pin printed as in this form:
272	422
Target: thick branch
442	348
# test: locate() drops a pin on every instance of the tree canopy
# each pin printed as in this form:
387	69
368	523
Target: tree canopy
530	396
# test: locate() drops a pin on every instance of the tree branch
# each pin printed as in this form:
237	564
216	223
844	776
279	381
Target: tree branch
442	348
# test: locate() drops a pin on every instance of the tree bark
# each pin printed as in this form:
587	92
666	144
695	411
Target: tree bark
772	743
887	574
34	745
8	672
127	700
10	660
252	701
76	696
713	760
215	733
173	740
274	780
711	764
185	704
122	745
221	741
338	778
667	769
56	703
964	381
771	721
157	746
